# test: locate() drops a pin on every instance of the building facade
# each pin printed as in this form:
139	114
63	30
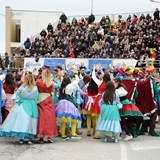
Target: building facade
21	24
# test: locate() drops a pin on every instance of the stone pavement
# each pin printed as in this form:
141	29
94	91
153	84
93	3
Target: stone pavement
141	148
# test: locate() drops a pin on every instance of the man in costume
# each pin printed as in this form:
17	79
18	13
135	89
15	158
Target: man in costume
131	86
147	100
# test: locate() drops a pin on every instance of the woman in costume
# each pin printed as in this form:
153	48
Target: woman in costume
129	111
92	91
78	92
108	123
83	85
9	86
47	126
101	88
2	98
67	108
57	79
22	121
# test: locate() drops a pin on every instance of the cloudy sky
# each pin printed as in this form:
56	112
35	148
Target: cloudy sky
74	7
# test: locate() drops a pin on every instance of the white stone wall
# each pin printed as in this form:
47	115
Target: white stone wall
32	22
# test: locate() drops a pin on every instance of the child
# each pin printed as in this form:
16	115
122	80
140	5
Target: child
109	119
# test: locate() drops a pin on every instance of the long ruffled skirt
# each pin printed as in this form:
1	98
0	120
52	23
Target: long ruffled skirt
19	124
109	121
66	111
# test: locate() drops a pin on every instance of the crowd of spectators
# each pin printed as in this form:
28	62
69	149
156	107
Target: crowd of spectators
134	37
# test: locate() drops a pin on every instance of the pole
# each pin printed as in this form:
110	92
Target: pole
91	6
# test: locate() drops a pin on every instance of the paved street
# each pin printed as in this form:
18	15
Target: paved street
143	147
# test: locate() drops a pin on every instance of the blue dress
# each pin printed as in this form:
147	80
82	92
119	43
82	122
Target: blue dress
79	101
57	85
22	120
109	119
0	101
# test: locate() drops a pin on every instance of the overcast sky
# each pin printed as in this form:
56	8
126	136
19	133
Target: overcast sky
74	7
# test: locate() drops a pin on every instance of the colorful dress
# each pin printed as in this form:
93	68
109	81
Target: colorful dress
57	85
47	126
90	103
9	103
1	102
158	100
128	110
66	109
23	118
109	119
101	88
84	98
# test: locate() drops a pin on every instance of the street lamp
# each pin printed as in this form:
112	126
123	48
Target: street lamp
154	1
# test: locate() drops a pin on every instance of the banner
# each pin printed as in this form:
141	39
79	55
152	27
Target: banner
53	62
31	64
76	62
103	62
119	62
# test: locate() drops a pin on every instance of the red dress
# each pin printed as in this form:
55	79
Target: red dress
90	102
96	108
47	126
9	103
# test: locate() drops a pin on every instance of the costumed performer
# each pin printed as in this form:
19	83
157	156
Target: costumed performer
109	119
9	86
101	88
158	89
2	99
47	127
67	108
77	95
57	84
22	121
83	86
92	91
147	100
129	112
130	84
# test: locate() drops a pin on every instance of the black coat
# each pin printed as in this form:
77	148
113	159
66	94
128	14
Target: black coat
156	15
91	19
63	18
